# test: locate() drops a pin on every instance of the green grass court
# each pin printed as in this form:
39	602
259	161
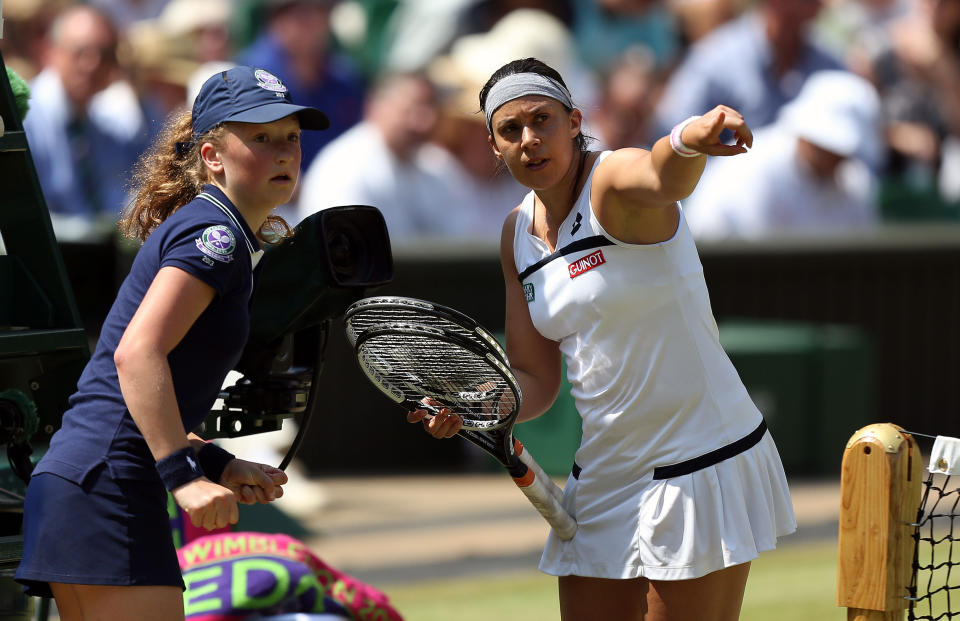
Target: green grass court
796	582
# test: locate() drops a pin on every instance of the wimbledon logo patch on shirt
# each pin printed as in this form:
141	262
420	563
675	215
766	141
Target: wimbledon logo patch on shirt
585	264
529	292
218	243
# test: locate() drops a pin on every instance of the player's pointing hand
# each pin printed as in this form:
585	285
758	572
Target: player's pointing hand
703	134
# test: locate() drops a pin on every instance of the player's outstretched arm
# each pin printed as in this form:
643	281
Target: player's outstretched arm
635	178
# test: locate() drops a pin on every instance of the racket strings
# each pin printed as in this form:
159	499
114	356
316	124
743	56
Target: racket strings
364	318
421	367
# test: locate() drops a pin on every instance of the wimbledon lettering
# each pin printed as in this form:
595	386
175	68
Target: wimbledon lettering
206	550
242	599
194	601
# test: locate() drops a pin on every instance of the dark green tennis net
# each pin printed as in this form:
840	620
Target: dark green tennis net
935	586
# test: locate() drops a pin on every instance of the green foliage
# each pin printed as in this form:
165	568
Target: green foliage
21	92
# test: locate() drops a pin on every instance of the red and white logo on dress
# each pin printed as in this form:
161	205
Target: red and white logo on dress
585	264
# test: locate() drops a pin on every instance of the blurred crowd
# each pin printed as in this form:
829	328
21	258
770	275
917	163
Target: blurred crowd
855	104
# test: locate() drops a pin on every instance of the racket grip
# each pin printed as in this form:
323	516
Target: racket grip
532	464
539	494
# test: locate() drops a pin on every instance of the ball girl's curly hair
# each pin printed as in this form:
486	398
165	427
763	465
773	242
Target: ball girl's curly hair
165	179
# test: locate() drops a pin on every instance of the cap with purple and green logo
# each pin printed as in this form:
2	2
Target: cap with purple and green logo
248	95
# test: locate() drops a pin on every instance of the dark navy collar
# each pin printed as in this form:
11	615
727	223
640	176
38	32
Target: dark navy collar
215	195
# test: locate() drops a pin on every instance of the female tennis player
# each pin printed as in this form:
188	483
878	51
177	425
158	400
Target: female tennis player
677	484
96	531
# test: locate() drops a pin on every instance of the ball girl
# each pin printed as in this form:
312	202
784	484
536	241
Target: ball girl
96	532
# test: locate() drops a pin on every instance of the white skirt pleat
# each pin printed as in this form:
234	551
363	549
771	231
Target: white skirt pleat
679	528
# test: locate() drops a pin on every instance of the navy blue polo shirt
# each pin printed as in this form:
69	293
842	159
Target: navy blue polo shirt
209	239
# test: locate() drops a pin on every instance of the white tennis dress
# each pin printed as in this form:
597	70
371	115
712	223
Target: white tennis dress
655	391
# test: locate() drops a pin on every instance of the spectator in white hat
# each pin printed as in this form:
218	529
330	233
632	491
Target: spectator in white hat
810	172
202	26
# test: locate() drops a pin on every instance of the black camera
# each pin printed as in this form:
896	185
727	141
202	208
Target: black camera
334	257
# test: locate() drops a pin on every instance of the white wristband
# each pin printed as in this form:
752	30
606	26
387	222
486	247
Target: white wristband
676	143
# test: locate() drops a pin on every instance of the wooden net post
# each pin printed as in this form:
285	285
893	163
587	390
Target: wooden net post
880	491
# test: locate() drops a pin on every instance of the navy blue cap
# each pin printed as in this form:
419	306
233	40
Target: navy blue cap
248	95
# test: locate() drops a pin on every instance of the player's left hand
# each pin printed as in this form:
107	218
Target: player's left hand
253	483
443	424
703	134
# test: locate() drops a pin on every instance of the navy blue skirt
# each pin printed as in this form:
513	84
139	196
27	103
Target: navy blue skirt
106	532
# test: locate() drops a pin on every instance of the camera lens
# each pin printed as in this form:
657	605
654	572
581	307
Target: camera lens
347	253
358	247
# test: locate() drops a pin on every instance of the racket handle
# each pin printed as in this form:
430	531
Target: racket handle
540	496
532	464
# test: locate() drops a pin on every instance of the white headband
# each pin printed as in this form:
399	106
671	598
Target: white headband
521	84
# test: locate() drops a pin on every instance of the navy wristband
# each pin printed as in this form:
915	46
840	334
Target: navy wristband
213	460
179	468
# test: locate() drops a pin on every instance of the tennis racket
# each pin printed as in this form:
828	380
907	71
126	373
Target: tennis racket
421	365
396	309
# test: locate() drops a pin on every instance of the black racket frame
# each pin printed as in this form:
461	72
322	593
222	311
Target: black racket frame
421	313
496	440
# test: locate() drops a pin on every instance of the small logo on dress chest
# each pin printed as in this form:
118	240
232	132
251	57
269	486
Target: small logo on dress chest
585	264
576	224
